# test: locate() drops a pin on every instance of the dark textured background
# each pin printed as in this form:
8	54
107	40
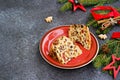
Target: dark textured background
22	25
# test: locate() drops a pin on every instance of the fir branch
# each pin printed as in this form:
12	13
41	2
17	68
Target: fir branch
106	30
114	46
103	58
66	6
118	9
98	61
88	2
111	1
100	4
98	31
117	47
62	1
91	22
119	50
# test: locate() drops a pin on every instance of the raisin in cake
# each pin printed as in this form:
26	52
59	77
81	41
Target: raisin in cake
81	34
63	50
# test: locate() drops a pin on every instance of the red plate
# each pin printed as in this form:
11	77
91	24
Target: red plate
85	58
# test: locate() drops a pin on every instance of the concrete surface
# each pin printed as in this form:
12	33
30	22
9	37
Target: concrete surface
22	26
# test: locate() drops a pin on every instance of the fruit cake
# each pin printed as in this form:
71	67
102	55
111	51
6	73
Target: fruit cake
80	33
63	50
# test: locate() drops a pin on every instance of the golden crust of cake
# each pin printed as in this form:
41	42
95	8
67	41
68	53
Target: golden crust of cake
80	33
63	50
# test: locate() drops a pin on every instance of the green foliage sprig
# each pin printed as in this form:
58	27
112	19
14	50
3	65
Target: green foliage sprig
67	5
105	54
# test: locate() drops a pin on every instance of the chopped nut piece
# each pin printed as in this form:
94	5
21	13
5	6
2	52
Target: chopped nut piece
49	19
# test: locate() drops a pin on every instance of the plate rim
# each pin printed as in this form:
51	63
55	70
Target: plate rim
61	67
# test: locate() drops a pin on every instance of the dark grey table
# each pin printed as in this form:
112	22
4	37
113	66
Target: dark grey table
22	25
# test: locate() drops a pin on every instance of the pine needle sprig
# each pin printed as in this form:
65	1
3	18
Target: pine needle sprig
104	56
88	2
67	6
62	1
110	1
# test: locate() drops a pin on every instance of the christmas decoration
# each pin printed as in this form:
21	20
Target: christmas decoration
108	22
97	16
111	47
115	35
67	4
76	5
111	66
103	17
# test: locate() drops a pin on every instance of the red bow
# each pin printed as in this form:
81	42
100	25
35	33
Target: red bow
113	13
75	6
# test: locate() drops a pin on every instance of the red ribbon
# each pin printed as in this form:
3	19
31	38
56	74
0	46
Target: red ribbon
113	12
75	6
115	35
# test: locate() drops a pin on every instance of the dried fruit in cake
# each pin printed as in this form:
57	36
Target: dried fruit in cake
80	33
63	50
